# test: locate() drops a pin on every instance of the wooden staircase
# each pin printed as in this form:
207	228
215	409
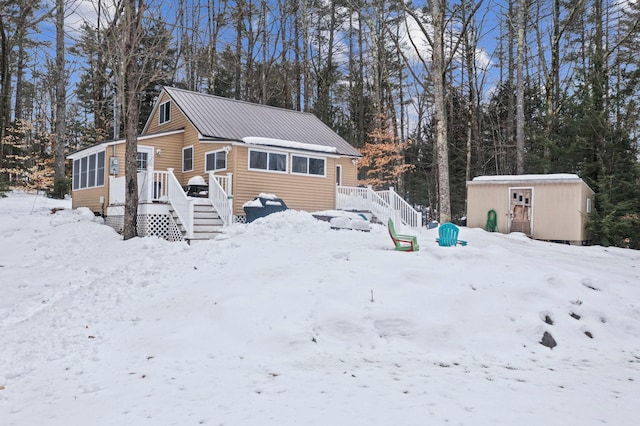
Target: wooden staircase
207	223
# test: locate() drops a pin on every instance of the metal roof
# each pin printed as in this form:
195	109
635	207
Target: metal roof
229	119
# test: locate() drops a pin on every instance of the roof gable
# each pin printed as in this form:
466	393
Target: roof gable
222	118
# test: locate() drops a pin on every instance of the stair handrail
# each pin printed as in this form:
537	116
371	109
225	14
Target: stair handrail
181	203
383	204
220	194
408	215
366	199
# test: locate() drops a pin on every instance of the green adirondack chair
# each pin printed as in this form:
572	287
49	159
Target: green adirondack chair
448	233
402	242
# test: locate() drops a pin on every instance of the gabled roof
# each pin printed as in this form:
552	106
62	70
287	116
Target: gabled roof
221	118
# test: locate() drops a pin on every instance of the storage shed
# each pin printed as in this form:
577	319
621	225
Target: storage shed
551	207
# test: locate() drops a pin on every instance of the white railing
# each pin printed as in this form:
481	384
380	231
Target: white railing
220	194
408	214
365	199
383	204
152	186
182	205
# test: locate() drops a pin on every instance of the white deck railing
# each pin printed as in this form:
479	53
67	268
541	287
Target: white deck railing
408	214
152	186
221	196
164	187
383	204
182	204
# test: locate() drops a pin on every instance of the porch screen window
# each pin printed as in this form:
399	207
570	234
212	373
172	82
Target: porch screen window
307	165
84	172
88	171
92	171
271	161
216	160
100	169
165	112
187	159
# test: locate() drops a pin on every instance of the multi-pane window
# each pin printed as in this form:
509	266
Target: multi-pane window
142	160
187	159
216	160
165	112
307	165
271	161
88	171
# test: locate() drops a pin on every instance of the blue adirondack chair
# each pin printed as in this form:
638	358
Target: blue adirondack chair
402	242
448	233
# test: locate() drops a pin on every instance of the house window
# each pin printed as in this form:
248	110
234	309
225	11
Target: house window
88	171
165	112
271	161
215	160
84	172
307	165
588	205
142	160
100	169
91	175
187	159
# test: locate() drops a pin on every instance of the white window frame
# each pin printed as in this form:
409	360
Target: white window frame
269	153
186	148
215	154
88	171
308	158
588	205
164	112
146	150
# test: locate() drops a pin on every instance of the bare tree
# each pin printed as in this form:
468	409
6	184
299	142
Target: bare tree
521	14
440	62
136	60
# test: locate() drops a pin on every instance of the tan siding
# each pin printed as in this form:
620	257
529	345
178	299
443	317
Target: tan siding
177	121
556	211
171	151
559	208
484	197
310	193
90	198
349	171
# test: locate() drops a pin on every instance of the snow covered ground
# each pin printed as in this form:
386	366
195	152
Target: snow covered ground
287	322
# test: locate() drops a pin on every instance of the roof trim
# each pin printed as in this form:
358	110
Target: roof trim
100	145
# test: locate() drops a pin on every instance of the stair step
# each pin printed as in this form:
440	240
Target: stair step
206	228
207	223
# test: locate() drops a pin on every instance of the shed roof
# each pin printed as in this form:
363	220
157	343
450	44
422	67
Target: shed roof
547	178
228	119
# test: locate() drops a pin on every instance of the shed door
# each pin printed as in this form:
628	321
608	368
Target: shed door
520	210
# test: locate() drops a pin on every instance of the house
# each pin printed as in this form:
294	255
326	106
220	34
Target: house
238	150
552	207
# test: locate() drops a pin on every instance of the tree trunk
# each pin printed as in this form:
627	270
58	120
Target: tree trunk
521	13
61	106
442	148
130	112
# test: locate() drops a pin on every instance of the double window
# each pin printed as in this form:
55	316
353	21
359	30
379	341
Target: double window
278	162
215	160
88	171
307	165
266	160
165	112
